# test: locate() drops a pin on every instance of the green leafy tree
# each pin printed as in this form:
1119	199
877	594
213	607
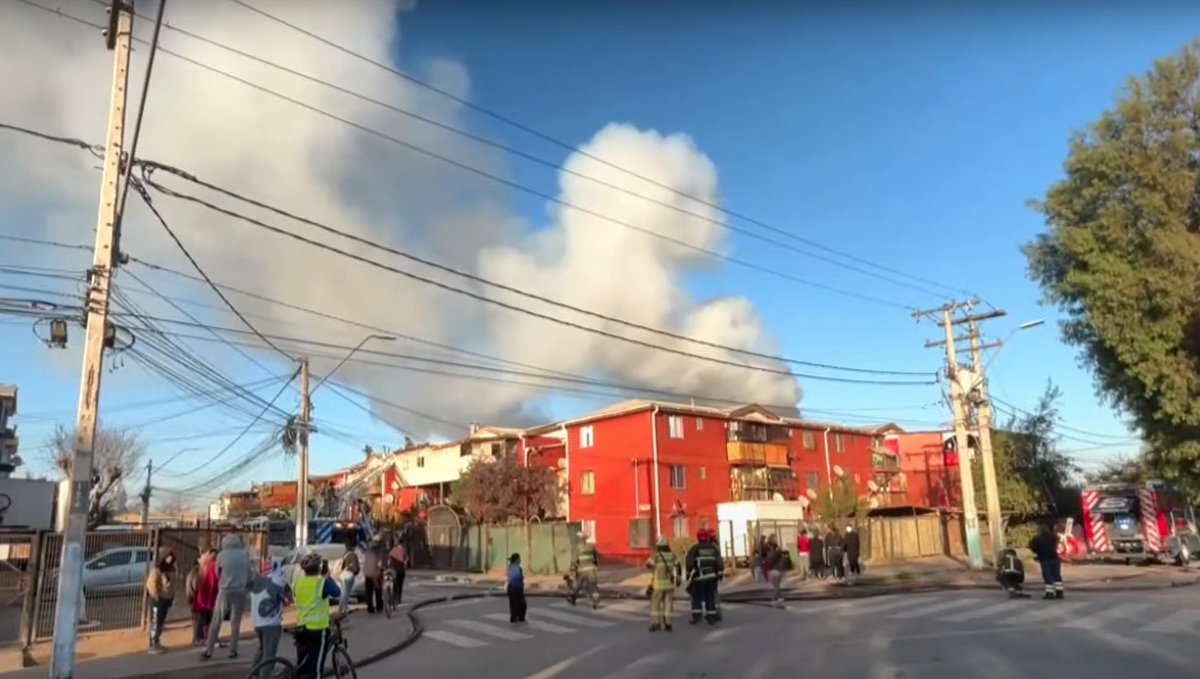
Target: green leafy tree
1121	257
1122	469
838	501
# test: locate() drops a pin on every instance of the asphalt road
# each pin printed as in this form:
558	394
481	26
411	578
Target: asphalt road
950	635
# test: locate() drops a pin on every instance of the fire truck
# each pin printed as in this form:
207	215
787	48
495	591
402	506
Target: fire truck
1148	520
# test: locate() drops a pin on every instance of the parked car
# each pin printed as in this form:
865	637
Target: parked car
117	569
331	553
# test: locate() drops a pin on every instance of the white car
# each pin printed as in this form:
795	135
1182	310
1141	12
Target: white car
117	569
331	553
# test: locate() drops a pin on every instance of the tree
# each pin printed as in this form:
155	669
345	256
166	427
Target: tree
116	453
1121	257
1122	469
172	505
839	501
498	490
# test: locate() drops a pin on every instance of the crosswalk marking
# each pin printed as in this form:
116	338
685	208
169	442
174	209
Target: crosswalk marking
878	607
1099	618
1179	621
618	611
639	667
489	630
932	608
571	618
975	613
538	625
1047	611
454	639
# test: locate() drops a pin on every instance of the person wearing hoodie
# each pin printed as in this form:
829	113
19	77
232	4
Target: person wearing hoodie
234	576
160	588
202	595
268	595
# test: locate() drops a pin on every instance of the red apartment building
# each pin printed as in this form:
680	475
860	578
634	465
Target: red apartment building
641	468
930	467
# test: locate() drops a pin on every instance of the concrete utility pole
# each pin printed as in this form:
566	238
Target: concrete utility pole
957	407
983	410
146	494
70	583
302	482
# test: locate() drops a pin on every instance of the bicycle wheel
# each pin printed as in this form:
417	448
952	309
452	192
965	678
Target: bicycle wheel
343	666
273	668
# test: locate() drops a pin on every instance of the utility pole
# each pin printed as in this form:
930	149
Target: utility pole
146	494
302	482
70	583
983	410
957	407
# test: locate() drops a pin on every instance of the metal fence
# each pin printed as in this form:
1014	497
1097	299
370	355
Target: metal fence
116	564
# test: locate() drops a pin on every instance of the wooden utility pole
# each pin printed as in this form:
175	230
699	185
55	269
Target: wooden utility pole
983	410
70	583
146	494
958	408
302	482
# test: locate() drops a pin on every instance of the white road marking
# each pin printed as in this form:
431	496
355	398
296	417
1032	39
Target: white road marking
618	611
976	613
932	608
570	618
1099	618
453	639
640	667
1178	622
489	630
891	603
535	624
1048	610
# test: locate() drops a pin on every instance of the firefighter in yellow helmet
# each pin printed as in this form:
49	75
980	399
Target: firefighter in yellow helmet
586	569
704	568
666	575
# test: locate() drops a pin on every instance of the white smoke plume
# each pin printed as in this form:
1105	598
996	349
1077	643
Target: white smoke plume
57	79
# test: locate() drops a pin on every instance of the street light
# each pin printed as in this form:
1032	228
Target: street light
368	338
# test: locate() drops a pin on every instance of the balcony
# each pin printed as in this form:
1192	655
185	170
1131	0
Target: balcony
757	454
762	484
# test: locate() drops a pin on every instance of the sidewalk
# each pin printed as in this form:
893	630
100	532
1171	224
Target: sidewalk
123	655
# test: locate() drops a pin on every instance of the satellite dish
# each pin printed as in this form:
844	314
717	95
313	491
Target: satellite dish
562	463
901	477
837	469
804	502
778	497
811	493
872	485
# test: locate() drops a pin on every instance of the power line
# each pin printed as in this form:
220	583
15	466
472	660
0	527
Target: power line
1060	425
512	307
567	170
575	149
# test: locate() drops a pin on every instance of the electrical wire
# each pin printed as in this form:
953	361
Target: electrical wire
1065	427
575	149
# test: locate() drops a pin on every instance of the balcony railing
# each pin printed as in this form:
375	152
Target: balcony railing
768	454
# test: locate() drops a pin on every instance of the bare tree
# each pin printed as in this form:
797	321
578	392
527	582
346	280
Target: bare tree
116	454
173	506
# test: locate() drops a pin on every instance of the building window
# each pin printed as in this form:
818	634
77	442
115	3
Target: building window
701	473
588	528
809	440
496	450
675	426
812	481
639	534
838	444
587	437
678	477
421	461
699	424
679	526
587	483
464	449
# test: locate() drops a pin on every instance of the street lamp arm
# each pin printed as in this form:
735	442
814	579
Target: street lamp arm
368	338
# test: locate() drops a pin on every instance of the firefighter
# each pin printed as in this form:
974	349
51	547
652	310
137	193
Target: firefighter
586	580
1010	573
704	568
666	574
1044	546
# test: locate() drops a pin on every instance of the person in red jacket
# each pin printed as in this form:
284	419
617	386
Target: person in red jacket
802	553
204	596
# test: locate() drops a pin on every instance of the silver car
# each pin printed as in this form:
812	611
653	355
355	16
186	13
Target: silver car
331	553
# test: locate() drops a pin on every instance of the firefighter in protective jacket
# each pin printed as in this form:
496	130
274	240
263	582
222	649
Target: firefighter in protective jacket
586	572
704	568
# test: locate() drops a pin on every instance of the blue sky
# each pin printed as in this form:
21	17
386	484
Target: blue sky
909	133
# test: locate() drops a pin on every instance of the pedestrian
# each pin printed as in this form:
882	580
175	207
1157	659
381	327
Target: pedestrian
350	570
398	562
816	547
313	592
802	560
704	568
834	555
160	588
202	595
756	559
234	576
515	588
372	571
773	566
587	577
1044	546
853	547
268	595
665	575
1010	573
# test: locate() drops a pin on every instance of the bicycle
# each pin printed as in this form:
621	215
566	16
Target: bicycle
389	593
339	654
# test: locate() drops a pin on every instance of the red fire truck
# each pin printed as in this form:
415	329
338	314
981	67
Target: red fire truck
1147	520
